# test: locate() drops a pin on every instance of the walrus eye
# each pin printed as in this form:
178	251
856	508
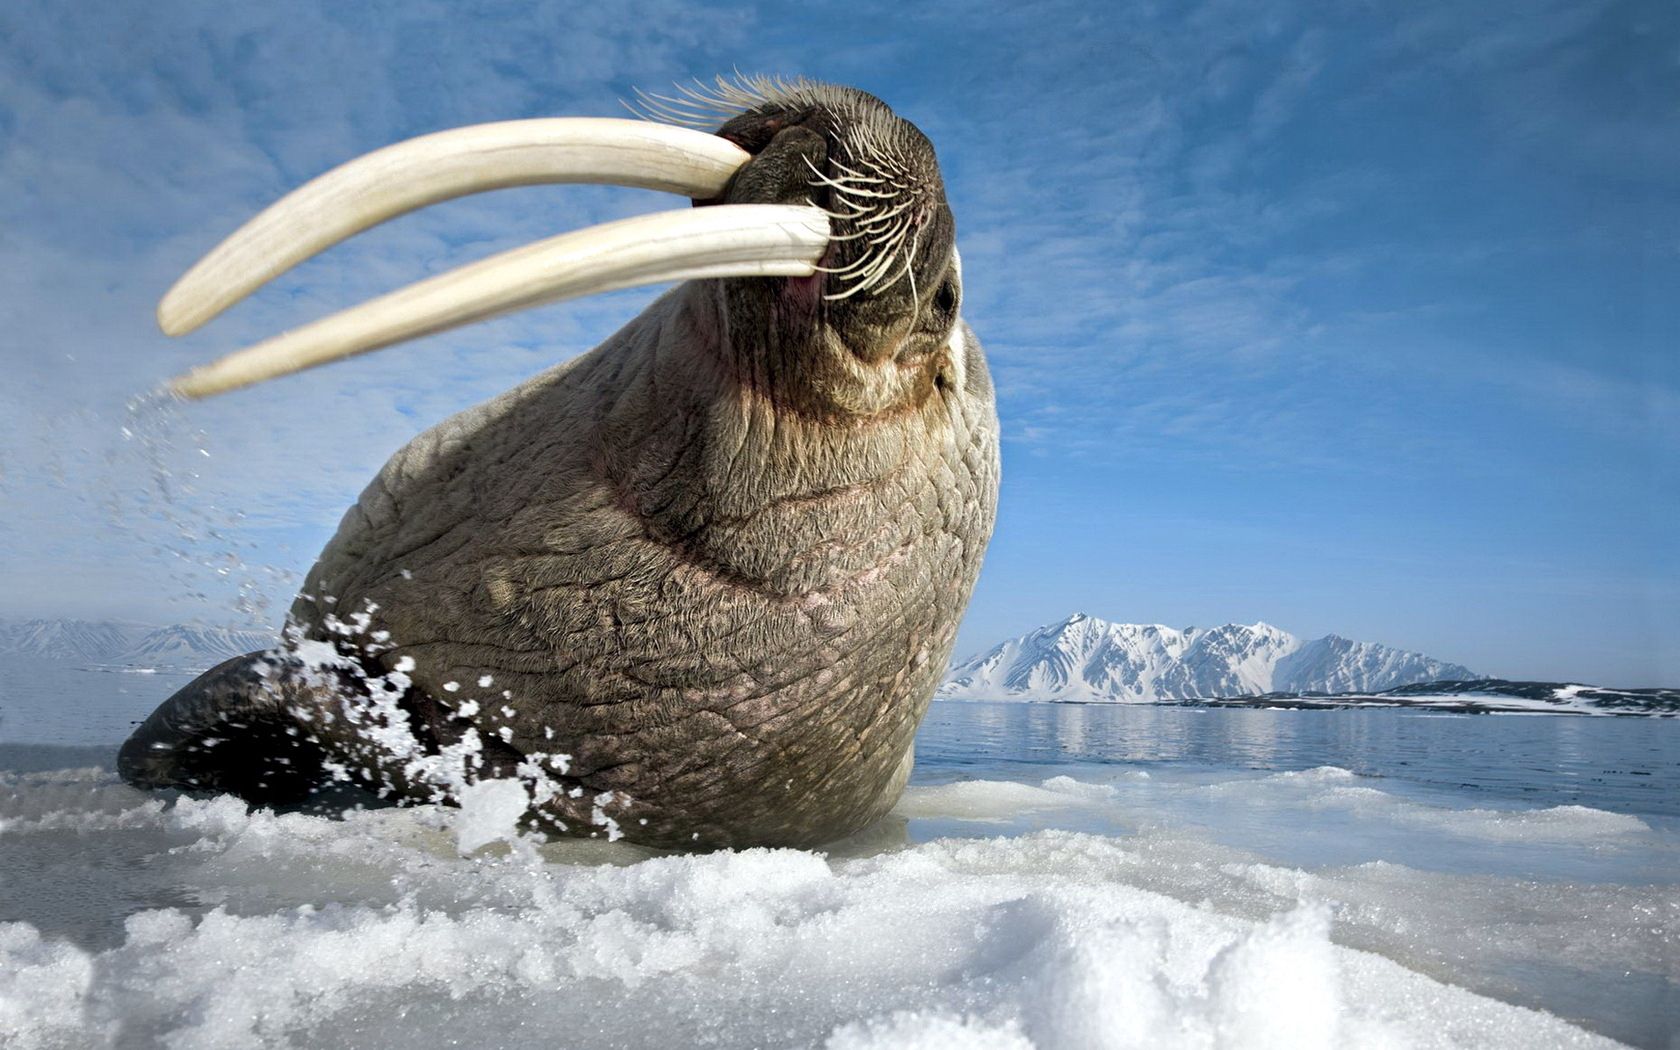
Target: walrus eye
945	302
737	240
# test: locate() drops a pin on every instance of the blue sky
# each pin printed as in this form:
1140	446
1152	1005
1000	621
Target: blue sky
1360	321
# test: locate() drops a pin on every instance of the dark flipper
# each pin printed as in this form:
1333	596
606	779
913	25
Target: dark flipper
231	729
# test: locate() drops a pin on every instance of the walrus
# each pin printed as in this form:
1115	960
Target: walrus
695	587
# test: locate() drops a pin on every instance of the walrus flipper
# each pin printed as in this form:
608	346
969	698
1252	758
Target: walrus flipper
233	728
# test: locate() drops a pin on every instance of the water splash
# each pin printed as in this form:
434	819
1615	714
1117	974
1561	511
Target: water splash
206	545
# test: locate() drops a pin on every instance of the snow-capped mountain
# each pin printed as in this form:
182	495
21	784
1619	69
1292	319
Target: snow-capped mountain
108	641
182	643
1334	664
69	639
1084	658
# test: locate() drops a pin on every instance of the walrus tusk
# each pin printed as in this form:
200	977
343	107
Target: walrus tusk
408	175
729	240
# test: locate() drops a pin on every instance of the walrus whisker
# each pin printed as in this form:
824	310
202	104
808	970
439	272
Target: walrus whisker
885	234
851	174
884	230
842	185
701	104
663	110
868	281
409	175
864	265
909	267
893	213
858	210
856	191
845	178
876	257
838	237
889	260
732	240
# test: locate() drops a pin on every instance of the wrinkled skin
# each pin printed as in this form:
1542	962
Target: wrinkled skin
718	562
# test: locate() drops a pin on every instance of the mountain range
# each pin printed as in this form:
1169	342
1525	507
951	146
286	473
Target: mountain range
1084	658
1080	659
124	642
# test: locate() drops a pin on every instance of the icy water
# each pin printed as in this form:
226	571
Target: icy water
1056	876
44	701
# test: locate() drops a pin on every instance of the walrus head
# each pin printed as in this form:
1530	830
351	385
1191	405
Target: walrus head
823	209
868	331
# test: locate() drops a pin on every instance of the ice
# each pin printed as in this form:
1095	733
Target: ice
202	924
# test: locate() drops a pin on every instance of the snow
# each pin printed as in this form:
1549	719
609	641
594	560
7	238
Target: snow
198	924
1087	659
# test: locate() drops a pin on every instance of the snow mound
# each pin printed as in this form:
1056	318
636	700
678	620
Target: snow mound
373	931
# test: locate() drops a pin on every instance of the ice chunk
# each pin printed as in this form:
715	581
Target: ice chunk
1079	789
1556	824
42	984
490	812
996	800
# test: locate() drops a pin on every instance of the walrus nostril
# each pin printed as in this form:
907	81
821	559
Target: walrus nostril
779	173
755	132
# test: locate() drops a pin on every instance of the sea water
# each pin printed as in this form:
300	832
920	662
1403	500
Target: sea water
1055	876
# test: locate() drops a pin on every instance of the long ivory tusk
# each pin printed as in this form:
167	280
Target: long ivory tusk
409	175
730	240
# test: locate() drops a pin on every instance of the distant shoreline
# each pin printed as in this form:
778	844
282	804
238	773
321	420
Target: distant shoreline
1480	697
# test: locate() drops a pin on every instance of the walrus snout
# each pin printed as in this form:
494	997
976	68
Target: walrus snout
885	291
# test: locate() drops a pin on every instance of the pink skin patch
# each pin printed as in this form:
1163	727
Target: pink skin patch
806	291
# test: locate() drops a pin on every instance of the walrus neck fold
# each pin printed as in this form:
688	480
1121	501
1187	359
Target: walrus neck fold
701	461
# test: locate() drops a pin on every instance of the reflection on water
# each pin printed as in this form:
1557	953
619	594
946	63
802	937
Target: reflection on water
1625	765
